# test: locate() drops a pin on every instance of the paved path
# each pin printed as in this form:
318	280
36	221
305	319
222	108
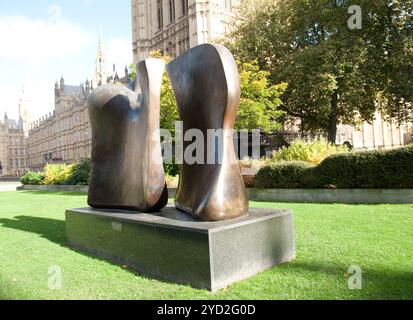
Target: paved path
8	186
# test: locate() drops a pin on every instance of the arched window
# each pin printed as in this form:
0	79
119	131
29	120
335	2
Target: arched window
171	10
184	7
160	14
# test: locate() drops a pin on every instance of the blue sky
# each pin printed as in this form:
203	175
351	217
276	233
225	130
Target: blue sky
40	41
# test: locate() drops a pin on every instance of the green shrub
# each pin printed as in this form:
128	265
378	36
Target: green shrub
282	174
369	169
314	151
32	178
80	173
391	169
57	174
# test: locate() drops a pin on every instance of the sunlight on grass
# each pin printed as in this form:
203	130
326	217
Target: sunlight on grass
330	239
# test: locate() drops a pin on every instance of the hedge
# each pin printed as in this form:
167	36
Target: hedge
282	174
390	169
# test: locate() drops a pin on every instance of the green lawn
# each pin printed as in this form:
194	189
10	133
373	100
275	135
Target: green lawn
330	239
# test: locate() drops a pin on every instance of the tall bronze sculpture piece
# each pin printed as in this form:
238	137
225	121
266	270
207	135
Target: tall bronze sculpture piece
206	83
127	167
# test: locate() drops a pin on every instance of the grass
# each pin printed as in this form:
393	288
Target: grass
330	239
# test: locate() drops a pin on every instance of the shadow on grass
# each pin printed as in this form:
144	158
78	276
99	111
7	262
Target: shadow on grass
54	231
50	229
377	283
53	193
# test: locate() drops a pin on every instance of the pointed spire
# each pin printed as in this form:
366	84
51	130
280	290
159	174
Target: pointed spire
87	87
56	88
126	72
62	85
101	74
101	45
100	35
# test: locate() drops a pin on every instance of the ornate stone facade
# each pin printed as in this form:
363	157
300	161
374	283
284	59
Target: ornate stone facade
64	135
13	148
174	26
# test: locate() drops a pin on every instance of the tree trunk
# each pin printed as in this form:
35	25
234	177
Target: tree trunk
332	127
302	127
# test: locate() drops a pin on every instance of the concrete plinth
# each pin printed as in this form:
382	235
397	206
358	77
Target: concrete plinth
171	245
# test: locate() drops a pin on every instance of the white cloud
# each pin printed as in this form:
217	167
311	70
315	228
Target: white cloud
26	39
88	2
34	53
119	53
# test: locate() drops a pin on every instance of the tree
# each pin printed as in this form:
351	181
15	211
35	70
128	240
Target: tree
260	101
334	73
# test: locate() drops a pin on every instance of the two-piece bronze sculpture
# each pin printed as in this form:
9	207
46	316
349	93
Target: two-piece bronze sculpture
127	170
199	242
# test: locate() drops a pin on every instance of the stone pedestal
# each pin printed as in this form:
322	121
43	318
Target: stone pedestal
171	245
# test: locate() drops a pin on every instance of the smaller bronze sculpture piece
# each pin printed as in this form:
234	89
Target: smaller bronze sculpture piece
206	83
127	168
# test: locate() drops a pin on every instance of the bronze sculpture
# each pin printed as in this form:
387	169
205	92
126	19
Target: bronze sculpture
127	168
128	174
206	83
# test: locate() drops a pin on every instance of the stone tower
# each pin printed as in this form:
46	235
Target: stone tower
25	117
101	72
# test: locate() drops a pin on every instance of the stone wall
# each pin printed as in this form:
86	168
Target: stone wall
174	26
13	148
65	134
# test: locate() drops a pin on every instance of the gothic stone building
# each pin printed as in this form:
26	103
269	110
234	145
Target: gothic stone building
174	26
13	148
65	134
